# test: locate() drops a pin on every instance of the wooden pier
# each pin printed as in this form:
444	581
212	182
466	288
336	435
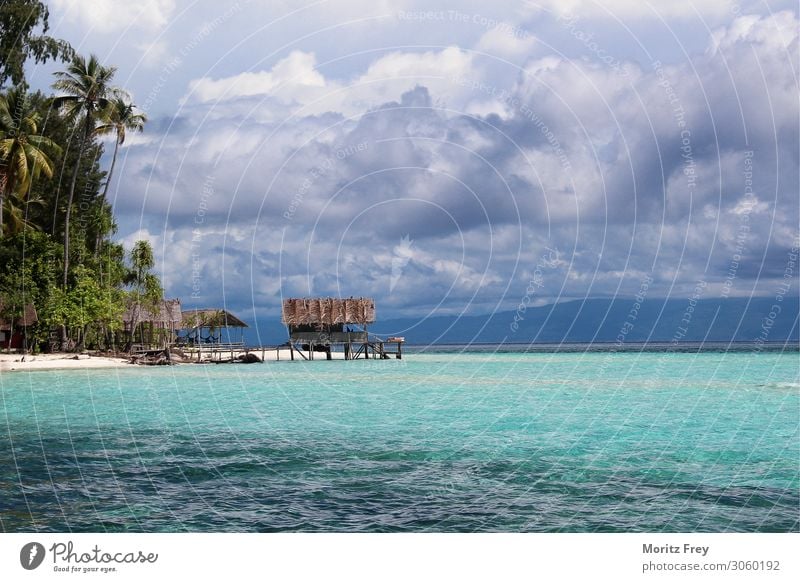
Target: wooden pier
324	328
373	349
354	346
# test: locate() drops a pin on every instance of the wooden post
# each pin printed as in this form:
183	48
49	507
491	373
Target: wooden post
399	350
291	350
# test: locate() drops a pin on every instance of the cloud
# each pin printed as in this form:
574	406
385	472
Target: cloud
297	181
640	9
154	53
295	85
507	43
109	16
291	75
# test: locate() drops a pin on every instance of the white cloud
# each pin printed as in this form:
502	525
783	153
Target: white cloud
748	206
448	62
108	16
295	80
625	9
153	53
285	79
778	31
507	43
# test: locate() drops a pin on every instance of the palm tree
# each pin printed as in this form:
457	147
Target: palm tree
147	292
16	212
87	86
120	116
23	153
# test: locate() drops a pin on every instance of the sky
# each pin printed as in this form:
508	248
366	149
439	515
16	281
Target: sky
453	158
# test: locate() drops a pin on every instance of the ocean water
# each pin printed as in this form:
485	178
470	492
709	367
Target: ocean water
514	442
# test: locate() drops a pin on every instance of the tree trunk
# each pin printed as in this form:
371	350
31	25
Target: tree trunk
111	170
81	147
86	132
134	325
104	197
82	340
3	183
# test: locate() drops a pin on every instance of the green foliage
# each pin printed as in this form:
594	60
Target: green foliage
50	190
120	116
86	88
29	268
142	261
146	292
87	302
23	155
19	21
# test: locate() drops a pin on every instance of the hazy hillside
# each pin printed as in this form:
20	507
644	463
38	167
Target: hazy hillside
604	320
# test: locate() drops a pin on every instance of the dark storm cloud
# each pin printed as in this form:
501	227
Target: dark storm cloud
627	175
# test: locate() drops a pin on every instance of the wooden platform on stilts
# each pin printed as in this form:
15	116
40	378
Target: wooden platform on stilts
360	346
323	324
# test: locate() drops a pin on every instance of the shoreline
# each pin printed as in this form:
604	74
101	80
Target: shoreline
71	361
58	361
68	361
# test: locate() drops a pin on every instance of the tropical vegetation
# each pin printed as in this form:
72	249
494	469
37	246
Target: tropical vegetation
57	251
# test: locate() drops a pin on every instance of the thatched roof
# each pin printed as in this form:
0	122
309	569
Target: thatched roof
168	312
328	311
194	318
29	317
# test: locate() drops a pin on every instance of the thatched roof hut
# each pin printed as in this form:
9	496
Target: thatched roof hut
209	318
28	317
325	323
167	315
328	311
212	326
14	336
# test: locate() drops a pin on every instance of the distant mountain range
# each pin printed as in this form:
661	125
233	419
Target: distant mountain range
607	320
597	320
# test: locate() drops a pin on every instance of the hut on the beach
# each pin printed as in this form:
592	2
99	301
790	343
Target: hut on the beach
152	327
14	326
211	326
317	324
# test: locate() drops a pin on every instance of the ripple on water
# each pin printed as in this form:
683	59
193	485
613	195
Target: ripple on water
476	444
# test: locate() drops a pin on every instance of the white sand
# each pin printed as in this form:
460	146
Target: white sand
12	363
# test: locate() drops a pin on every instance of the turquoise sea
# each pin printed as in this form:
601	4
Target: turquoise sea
449	441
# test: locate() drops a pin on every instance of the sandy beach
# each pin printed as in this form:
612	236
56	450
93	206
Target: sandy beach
61	361
13	362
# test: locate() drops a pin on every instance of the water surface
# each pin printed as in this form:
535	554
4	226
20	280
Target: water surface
511	442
